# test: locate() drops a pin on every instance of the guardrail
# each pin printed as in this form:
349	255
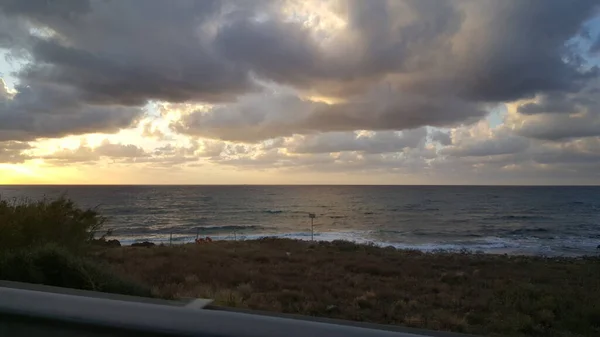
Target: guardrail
27	312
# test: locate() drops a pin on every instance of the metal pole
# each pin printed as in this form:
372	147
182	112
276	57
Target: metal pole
171	239
312	217
197	233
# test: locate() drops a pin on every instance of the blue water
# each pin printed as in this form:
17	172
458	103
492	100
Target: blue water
514	220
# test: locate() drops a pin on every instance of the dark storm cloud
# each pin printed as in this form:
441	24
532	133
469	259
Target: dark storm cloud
408	64
559	117
51	111
595	47
394	65
93	64
394	111
369	48
127	52
13	33
520	47
556	103
561	127
61	9
276	50
255	118
463	47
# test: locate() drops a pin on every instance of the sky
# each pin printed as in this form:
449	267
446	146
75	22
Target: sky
300	92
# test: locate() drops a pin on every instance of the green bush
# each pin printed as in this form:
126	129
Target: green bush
42	242
55	266
26	223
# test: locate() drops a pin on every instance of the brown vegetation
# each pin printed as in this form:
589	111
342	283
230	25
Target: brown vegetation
475	293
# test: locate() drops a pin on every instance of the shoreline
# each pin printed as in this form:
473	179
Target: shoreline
487	245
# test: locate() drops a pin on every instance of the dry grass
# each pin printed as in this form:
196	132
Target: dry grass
474	293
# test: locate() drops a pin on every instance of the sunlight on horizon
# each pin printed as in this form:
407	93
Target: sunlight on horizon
18	174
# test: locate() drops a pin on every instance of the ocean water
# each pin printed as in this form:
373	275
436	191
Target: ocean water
549	221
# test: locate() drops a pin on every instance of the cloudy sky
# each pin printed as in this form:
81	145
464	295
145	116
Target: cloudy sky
293	92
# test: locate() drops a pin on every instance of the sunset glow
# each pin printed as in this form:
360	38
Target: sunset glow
300	92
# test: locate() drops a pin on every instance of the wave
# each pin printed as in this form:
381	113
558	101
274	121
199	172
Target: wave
522	231
273	211
449	235
571	246
472	235
229	228
460	220
392	231
516	217
418	207
588	226
487	247
487	244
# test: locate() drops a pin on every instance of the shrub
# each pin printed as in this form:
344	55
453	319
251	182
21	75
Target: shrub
55	266
26	223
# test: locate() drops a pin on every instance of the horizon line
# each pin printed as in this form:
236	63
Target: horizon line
283	185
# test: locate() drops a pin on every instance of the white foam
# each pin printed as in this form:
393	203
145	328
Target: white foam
527	246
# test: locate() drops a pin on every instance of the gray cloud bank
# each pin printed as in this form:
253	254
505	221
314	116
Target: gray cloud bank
397	64
389	66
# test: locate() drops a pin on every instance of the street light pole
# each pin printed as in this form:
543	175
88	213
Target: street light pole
312	217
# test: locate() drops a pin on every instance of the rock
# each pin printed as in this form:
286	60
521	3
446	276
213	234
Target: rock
113	243
146	244
104	243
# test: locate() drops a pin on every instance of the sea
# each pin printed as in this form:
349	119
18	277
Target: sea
548	220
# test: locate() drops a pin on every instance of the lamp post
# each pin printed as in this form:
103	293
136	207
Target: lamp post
312	217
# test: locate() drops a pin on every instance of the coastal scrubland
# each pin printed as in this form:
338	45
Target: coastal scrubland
48	241
462	292
496	295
